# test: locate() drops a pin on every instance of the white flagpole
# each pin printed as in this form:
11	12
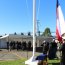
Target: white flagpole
30	61
34	25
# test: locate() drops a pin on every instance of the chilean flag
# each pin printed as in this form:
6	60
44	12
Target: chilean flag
60	24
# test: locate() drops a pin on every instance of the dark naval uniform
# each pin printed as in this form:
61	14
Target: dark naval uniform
63	54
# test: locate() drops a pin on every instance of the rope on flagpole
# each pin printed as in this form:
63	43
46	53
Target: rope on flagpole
28	19
27	4
28	12
38	9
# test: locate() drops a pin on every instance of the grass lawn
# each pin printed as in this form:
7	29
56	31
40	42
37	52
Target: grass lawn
21	62
54	62
14	62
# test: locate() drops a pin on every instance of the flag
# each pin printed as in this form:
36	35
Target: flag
60	24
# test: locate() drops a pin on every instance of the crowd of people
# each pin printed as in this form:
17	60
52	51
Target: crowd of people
18	45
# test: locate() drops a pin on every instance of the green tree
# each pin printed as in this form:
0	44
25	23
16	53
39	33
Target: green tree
15	33
47	32
29	33
38	33
22	33
5	34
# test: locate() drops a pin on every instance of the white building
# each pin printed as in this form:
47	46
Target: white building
21	38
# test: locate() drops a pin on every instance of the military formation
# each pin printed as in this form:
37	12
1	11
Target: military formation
18	45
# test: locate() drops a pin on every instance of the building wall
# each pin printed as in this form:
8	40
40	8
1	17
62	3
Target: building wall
39	40
3	43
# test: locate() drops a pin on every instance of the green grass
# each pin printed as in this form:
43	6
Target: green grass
15	62
54	62
22	62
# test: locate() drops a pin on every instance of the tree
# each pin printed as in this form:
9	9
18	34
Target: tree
22	33
5	34
47	32
38	33
0	35
29	33
15	33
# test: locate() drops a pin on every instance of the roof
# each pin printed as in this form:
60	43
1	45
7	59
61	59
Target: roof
5	36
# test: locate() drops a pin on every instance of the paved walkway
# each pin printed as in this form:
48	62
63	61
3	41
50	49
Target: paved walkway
14	54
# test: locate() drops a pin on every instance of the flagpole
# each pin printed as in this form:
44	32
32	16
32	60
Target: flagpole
30	61
34	25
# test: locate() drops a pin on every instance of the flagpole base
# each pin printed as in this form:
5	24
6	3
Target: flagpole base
32	61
